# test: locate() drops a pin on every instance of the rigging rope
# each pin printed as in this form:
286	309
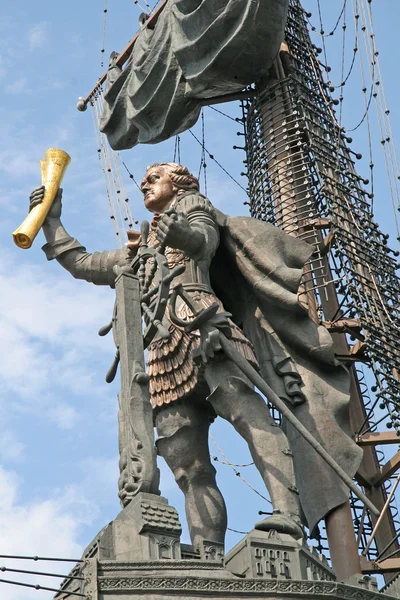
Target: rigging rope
111	162
237	531
322	32
203	164
223	462
344	29
38	587
103	41
237	473
332	32
389	149
368	121
235	120
131	176
177	149
41	588
103	166
375	91
44	558
372	92
218	163
140	6
155	5
44	574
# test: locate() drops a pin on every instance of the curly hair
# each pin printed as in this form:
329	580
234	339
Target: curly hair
182	179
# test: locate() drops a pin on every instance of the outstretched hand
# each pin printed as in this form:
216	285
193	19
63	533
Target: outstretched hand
37	196
174	230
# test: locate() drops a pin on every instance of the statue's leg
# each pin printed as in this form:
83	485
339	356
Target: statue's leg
234	399
183	443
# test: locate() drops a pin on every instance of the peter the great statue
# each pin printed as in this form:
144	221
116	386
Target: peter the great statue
253	270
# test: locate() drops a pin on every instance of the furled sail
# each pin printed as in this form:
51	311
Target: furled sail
198	49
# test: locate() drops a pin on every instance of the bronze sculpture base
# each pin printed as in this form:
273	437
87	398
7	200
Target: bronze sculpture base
139	555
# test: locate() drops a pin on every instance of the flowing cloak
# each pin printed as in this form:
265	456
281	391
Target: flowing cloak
256	273
198	49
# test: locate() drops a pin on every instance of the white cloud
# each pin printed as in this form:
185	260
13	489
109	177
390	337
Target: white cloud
17	87
58	525
11	449
2	67
101	475
49	345
58	84
51	308
37	35
46	527
63	415
13	163
21	369
8	489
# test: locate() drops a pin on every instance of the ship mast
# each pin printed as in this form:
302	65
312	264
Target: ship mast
302	178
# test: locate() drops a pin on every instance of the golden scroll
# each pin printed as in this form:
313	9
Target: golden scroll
53	167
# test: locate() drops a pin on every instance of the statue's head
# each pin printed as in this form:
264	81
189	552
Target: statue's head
163	182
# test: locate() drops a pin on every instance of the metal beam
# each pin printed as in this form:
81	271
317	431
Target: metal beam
317	223
247	94
390	565
351	326
378	438
386	471
326	244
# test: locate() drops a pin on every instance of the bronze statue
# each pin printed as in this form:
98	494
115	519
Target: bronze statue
252	269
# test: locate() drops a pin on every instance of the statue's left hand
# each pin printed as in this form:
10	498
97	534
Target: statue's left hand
133	243
174	230
37	196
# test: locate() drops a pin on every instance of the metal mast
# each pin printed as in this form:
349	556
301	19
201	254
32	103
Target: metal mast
302	177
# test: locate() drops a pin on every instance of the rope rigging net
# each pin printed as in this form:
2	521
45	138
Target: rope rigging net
302	177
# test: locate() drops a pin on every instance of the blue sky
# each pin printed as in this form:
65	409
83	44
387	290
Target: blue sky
58	433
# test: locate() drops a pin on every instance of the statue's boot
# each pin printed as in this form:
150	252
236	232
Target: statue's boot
283	523
234	400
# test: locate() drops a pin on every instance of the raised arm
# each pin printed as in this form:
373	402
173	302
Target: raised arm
96	268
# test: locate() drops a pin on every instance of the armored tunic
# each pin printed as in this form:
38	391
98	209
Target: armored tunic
170	365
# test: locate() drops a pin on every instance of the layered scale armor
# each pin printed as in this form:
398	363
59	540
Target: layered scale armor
170	365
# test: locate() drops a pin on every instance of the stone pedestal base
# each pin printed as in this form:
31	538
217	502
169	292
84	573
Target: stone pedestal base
138	555
147	529
272	555
199	581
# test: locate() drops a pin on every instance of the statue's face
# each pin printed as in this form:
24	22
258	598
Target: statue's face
158	190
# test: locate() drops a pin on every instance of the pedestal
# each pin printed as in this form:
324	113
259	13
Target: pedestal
139	556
